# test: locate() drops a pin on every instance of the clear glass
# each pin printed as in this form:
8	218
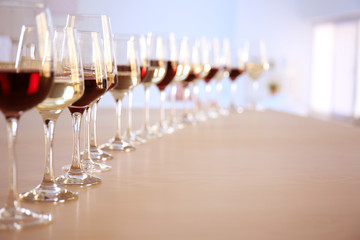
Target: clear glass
153	70
130	136
102	25
68	87
26	57
256	64
212	61
95	81
182	73
129	77
170	56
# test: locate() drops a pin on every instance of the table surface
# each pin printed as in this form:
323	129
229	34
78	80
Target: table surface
254	176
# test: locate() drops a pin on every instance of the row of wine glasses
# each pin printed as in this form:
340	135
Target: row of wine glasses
73	66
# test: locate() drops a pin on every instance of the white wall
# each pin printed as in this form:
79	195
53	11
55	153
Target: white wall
285	25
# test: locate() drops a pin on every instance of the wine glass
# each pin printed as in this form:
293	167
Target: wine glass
171	64
152	71
235	67
95	82
129	77
68	87
256	63
182	73
212	59
202	50
26	78
130	136
189	82
101	24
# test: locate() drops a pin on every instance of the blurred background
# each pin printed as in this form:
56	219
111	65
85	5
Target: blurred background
313	45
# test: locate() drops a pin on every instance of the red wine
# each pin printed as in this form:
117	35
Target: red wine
93	90
211	74
235	72
191	77
21	91
171	68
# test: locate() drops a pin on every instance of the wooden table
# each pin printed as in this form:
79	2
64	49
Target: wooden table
254	176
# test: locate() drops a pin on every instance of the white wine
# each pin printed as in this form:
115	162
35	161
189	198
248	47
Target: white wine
254	70
182	72
153	73
63	93
127	80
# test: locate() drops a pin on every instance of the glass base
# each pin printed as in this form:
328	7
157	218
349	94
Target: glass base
162	130
188	119
77	178
49	192
118	145
133	139
176	124
91	166
223	111
236	109
147	133
212	114
201	117
18	218
99	155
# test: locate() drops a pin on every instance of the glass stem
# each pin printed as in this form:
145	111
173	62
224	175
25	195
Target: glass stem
186	100
173	99
207	96
147	116
13	197
129	113
86	154
195	91
49	174
218	93
162	108
255	86
76	121
233	89
118	119
93	131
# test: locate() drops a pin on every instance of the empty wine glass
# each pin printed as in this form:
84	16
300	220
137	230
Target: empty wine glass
256	63
95	82
152	71
26	78
128	78
101	24
68	87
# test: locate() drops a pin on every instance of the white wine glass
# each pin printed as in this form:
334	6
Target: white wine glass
152	71
256	63
26	78
68	87
102	25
